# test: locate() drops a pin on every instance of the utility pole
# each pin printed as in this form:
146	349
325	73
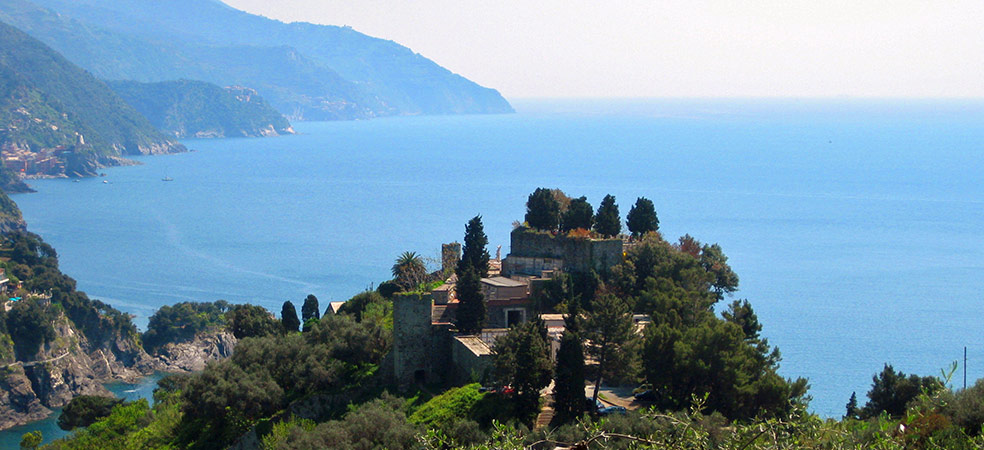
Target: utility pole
965	367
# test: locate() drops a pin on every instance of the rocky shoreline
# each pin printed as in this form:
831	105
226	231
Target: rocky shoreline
72	366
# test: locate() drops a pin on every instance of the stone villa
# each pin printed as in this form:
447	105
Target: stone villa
426	346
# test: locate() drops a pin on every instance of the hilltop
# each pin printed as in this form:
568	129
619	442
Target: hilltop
307	71
187	108
56	118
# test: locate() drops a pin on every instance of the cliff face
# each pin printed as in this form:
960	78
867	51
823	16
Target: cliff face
192	356
67	366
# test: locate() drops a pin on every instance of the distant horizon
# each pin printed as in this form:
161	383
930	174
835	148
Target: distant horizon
677	49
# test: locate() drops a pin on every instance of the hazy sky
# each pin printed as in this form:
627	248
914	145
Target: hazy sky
631	48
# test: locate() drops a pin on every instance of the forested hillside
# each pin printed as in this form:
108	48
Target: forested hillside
49	104
198	109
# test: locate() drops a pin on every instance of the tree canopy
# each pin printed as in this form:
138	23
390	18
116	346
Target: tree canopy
473	251
569	378
409	271
543	210
579	214
251	321
642	217
288	318
310	309
470	315
182	321
522	360
608	221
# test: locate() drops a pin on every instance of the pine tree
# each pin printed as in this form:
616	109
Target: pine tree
470	315
569	378
310	308
521	359
608	221
642	217
609	327
542	210
288	318
852	407
473	252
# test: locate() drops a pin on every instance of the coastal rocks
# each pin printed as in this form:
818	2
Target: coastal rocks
67	366
191	356
18	403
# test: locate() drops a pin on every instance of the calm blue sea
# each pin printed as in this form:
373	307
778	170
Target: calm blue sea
855	226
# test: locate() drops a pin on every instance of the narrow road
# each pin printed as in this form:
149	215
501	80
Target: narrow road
34	363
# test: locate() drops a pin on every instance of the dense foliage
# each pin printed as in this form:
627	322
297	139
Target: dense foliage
265	374
579	215
310	309
288	318
251	321
35	264
182	321
471	313
409	271
642	217
522	361
85	410
607	221
892	392
542	210
569	379
473	252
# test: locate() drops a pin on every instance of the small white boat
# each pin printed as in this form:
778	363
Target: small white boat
166	178
105	182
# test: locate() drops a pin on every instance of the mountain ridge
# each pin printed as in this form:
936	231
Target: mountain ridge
57	119
359	76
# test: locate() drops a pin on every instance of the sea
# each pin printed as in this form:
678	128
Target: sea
856	226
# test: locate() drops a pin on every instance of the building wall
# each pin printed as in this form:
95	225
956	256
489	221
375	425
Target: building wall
579	255
495	312
503	292
468	365
412	337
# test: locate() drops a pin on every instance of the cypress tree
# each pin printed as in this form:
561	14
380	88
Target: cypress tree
569	378
473	252
470	316
542	210
608	221
288	318
642	217
310	308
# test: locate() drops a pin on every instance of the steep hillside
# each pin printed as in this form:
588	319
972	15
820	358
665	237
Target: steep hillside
362	76
198	109
56	118
55	342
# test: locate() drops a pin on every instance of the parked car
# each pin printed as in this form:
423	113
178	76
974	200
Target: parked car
648	395
608	410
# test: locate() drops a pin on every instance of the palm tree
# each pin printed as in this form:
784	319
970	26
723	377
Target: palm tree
409	270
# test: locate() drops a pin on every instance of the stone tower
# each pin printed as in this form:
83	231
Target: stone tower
412	338
450	255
